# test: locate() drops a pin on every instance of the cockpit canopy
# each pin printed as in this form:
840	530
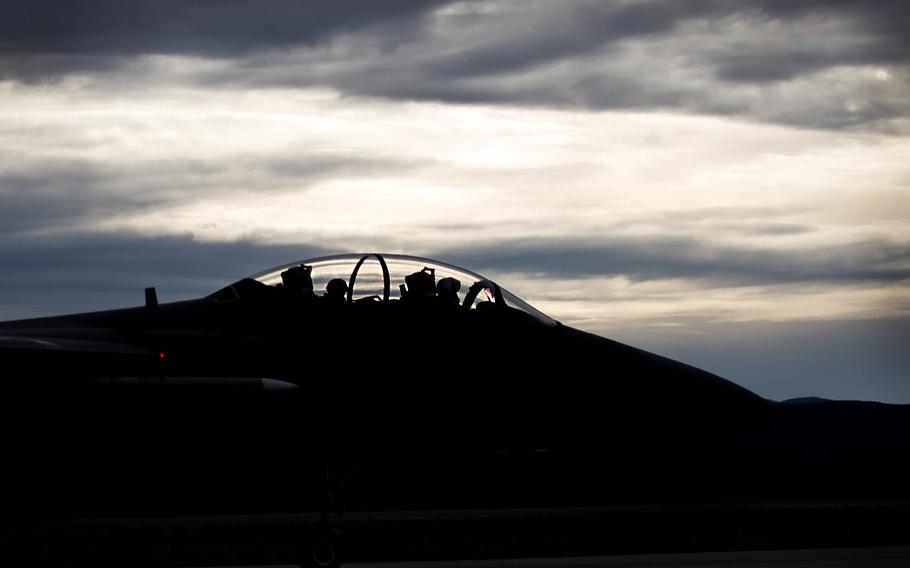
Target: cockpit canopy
385	277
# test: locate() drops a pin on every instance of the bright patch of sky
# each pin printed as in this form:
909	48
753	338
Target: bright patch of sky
310	166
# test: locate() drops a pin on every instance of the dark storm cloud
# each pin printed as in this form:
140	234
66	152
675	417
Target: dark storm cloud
766	67
661	257
555	32
44	39
881	24
584	27
762	60
708	56
884	18
212	28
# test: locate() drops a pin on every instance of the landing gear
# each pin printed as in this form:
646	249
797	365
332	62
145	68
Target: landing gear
322	550
321	546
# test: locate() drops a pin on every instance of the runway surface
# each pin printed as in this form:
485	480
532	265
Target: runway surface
877	557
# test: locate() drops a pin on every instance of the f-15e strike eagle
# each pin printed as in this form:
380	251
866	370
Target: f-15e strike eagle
320	411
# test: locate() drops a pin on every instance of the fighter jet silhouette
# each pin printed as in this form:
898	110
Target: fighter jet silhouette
388	406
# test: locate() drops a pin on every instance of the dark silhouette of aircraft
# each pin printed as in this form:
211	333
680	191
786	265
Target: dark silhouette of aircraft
393	407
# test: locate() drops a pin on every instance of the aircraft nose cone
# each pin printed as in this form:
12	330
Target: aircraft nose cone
642	387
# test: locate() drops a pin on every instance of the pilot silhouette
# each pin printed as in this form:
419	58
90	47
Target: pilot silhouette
447	290
336	290
420	285
298	280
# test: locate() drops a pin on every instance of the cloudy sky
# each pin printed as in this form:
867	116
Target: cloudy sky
724	182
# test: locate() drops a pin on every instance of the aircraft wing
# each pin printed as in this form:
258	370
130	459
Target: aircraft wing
37	346
32	360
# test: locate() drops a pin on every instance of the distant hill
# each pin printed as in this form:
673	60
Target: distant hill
805	400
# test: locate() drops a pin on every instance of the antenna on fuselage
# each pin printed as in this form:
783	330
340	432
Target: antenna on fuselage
151	298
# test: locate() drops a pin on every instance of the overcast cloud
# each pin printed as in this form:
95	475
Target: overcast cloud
826	64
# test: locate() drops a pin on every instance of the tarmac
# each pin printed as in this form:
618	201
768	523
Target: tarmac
872	557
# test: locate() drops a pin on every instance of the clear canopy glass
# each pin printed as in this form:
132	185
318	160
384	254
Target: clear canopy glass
369	281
